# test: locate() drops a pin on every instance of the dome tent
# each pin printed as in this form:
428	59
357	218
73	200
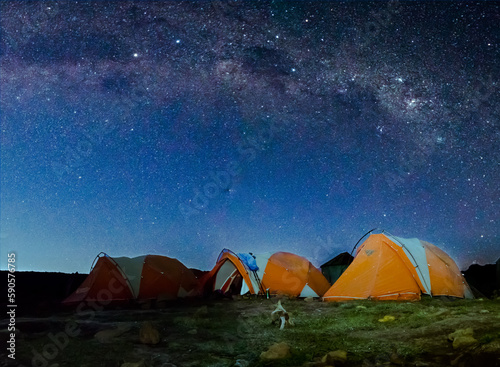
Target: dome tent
140	278
387	267
279	273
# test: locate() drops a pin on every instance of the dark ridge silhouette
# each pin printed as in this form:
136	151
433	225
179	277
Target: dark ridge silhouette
39	293
484	279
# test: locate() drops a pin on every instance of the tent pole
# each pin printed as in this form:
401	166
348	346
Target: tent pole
370	231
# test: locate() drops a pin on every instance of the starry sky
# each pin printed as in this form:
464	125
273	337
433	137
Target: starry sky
181	128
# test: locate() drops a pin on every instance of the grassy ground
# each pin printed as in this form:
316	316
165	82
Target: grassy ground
219	333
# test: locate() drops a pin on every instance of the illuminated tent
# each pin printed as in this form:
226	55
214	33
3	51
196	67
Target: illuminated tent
392	268
139	278
280	273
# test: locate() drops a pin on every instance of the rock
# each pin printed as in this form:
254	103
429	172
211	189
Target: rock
309	299
358	308
462	338
193	332
484	311
460	332
387	318
241	363
462	342
276	351
108	336
136	364
148	334
335	357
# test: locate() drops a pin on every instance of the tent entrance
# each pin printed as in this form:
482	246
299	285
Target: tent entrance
228	279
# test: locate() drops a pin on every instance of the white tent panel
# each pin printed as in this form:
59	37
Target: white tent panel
415	251
244	287
225	272
308	292
132	269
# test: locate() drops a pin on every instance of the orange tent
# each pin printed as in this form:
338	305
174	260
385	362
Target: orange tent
138	278
387	267
279	273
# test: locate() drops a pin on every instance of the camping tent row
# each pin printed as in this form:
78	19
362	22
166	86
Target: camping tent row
164	278
385	267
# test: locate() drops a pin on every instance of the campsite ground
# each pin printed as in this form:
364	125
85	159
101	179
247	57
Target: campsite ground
235	332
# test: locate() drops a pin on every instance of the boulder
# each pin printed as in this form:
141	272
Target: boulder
462	342
336	357
276	351
462	338
148	334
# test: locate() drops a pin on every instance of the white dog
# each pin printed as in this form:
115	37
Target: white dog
280	315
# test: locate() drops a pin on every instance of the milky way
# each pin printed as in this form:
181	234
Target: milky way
182	128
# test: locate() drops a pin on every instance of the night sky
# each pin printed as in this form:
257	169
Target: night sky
182	128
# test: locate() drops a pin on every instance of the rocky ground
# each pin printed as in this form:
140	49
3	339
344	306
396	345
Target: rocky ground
239	332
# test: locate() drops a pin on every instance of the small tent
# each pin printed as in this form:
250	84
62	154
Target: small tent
279	273
139	278
392	268
334	268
